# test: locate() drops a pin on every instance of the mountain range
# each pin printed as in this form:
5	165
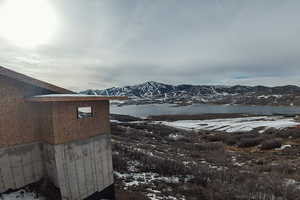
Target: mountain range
185	94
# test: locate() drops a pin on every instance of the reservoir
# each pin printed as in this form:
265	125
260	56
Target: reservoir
170	109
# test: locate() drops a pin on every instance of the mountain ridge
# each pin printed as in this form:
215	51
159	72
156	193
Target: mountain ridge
156	92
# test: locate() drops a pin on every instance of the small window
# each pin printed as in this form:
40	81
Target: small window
84	112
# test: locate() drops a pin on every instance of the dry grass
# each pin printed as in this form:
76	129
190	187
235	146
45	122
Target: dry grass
125	195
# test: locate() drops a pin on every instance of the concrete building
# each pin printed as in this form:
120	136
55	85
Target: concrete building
48	132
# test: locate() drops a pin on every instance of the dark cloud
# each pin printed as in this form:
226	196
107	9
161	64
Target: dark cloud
108	43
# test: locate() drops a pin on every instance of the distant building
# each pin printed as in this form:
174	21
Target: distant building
48	132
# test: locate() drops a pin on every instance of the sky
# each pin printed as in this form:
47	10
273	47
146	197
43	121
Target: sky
97	44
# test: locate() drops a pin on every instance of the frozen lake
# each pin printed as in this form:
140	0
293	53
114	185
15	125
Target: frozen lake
161	109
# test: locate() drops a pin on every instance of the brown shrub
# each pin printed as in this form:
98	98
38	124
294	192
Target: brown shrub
237	138
124	195
165	167
281	169
211	146
293	132
271	144
234	185
232	140
249	142
119	163
215	137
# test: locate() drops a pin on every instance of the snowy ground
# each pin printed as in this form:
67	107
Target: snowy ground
21	195
149	179
235	124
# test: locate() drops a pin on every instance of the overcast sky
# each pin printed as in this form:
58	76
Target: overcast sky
106	43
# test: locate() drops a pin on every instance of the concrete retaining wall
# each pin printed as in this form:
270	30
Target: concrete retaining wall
84	167
50	163
78	168
20	165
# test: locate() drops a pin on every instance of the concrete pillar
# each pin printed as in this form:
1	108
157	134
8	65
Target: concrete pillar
81	167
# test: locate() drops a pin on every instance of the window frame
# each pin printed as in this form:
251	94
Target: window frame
89	115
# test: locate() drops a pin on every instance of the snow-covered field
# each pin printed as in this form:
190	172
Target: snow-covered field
235	124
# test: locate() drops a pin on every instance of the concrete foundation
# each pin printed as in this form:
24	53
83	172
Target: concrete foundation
80	168
20	165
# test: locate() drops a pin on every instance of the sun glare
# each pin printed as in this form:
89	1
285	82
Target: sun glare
27	23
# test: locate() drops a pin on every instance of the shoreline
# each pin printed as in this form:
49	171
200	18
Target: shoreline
177	117
190	104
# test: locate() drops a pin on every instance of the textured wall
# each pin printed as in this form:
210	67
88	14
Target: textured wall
50	163
78	168
20	165
19	120
24	122
82	167
66	126
46	122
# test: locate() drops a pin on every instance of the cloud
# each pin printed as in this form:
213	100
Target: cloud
113	43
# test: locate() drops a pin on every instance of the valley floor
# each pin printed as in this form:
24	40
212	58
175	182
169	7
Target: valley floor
172	160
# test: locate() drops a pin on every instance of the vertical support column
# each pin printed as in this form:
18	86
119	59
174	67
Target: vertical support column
83	167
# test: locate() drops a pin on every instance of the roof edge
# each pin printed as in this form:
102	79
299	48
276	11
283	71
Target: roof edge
32	81
73	98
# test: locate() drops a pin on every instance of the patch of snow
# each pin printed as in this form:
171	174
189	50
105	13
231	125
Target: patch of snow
175	136
187	163
212	166
284	147
145	178
156	195
133	164
235	163
116	101
292	182
235	124
154	191
115	121
21	195
136	122
145	152
267	96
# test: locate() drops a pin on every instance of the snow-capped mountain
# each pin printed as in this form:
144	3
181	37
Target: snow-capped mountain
148	89
154	92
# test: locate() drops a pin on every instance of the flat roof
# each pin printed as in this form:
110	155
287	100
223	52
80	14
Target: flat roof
73	98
